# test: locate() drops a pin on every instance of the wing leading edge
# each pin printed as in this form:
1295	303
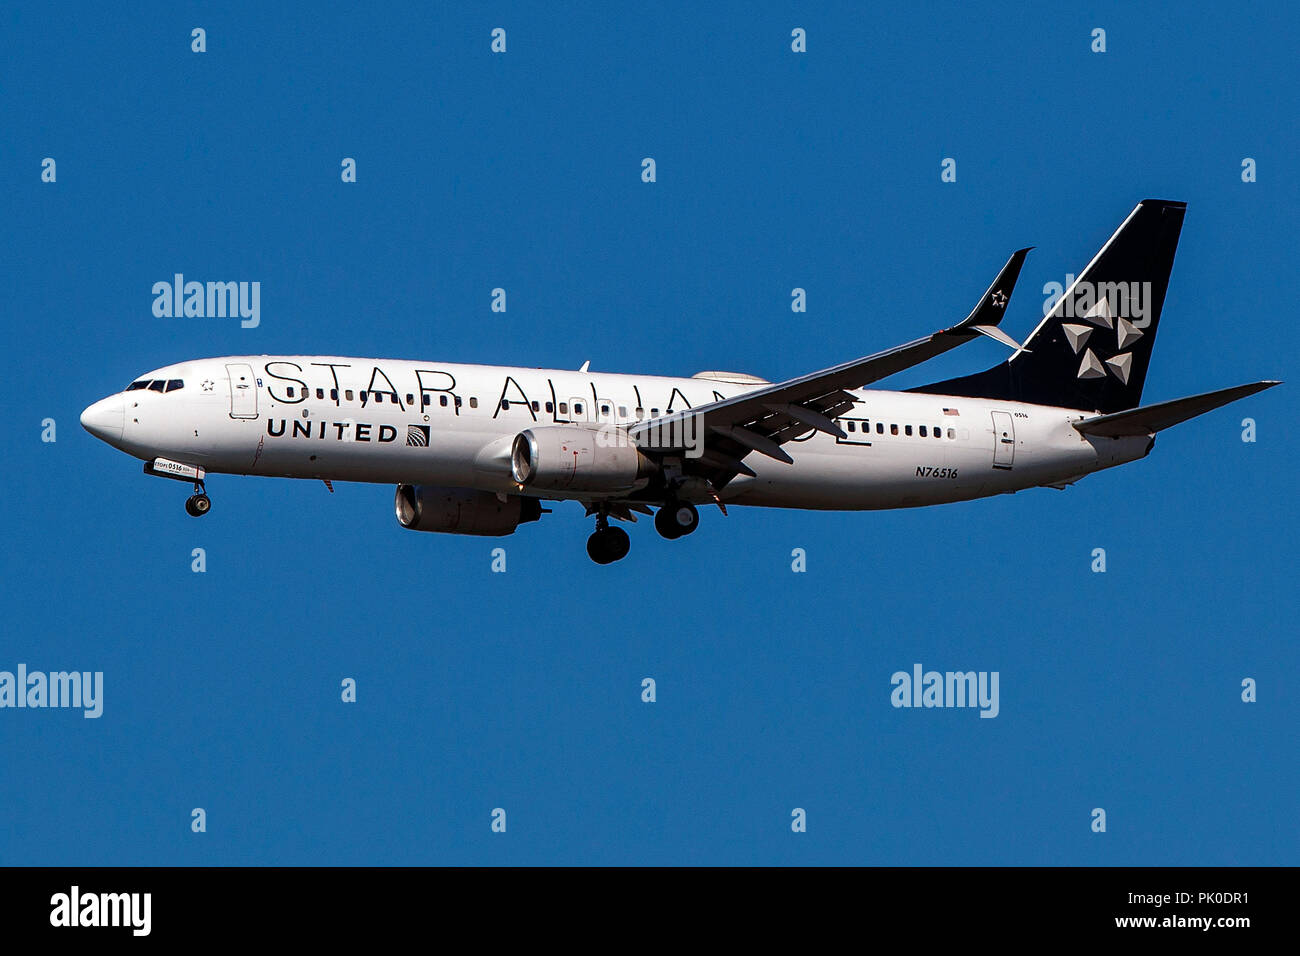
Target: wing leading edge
765	418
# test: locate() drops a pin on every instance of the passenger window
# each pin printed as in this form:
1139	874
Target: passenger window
577	408
157	386
334	394
938	432
410	399
923	433
907	429
347	393
505	404
564	408
473	402
880	428
952	433
604	409
289	391
852	427
893	429
379	397
550	407
640	413
458	401
622	411
320	393
364	393
175	385
536	407
654	413
425	400
442	400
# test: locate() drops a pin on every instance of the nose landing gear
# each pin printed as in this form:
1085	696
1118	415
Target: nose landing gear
198	504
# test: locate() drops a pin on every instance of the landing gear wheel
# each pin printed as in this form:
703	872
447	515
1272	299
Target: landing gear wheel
198	505
676	518
685	517
607	545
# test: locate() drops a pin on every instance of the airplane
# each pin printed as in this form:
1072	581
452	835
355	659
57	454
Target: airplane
475	449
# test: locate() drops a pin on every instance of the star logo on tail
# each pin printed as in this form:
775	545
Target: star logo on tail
1103	317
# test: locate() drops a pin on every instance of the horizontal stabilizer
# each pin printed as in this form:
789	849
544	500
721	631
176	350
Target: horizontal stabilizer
1154	418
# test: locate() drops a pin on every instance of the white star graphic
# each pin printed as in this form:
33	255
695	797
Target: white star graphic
999	300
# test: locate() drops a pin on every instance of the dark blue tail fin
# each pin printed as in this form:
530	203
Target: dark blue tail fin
1093	349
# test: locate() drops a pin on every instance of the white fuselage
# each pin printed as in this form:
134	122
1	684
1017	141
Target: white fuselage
397	421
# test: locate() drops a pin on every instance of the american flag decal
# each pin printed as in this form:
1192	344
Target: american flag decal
951	411
417	435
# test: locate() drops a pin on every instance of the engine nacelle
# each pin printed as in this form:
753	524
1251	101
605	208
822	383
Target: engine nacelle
570	458
463	510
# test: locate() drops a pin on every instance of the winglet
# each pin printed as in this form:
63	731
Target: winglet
993	303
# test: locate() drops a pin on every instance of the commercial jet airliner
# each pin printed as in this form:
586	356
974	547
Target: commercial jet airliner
477	449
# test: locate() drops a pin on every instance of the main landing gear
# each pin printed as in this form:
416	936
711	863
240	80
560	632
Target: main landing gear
676	519
606	545
198	504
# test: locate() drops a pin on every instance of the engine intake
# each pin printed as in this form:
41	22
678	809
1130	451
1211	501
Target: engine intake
575	459
463	510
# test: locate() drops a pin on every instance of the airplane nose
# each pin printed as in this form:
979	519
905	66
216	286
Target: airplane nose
106	419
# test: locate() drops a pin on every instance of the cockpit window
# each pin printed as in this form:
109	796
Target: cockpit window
137	385
157	385
175	384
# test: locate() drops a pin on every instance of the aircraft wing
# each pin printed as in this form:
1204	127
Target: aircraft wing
764	419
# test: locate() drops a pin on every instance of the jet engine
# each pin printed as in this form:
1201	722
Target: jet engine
566	458
463	510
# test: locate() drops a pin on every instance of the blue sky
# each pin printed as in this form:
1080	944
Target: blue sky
521	690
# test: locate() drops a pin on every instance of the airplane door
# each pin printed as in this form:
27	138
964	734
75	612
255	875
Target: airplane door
243	391
1004	440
